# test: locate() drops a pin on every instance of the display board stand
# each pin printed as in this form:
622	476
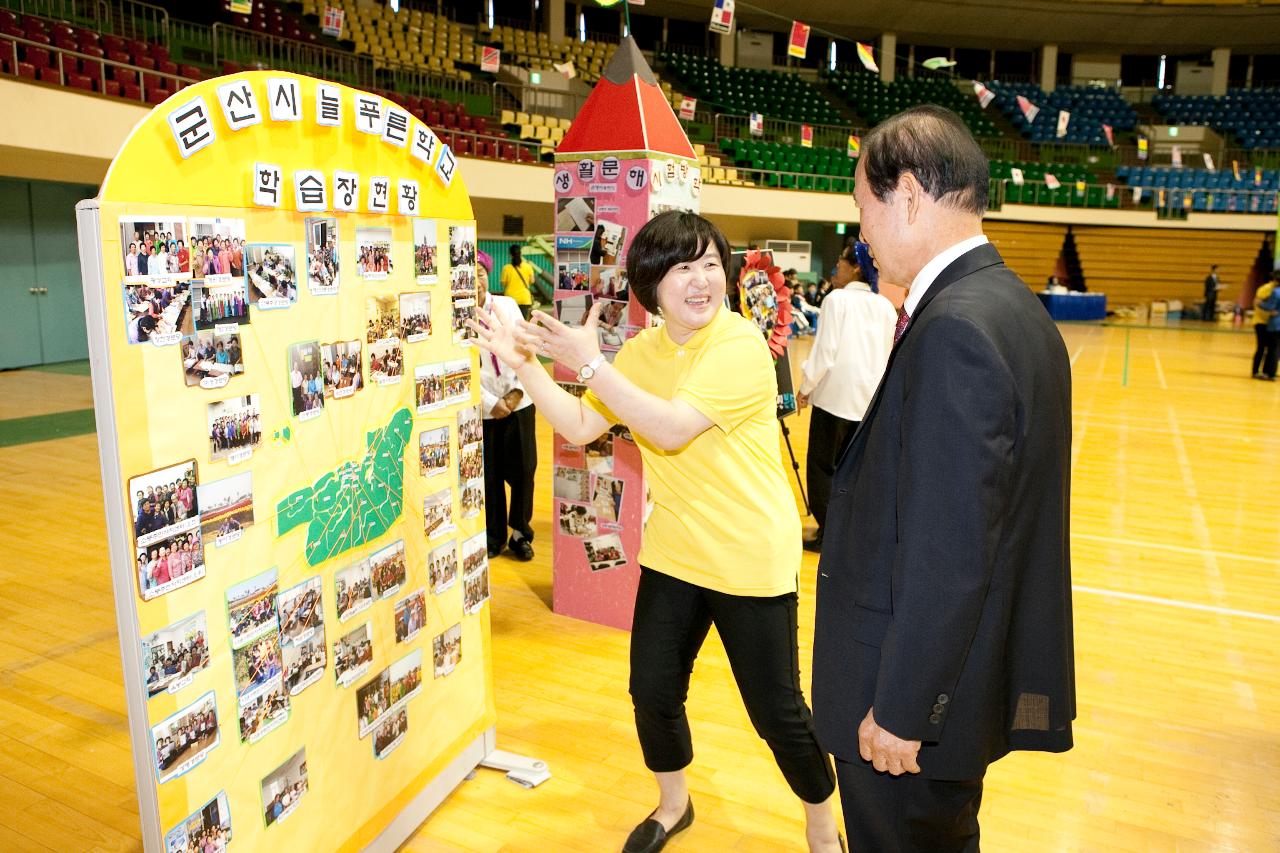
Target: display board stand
289	437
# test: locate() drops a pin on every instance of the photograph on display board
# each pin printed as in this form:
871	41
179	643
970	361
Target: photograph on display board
251	608
304	663
464	309
341	365
428	387
410	615
573	310
605	552
610	326
268	711
607	243
471	461
219	304
352	655
183	740
390	733
322	256
389	690
462	281
386	362
576	213
382	314
442	566
462	245
446	650
437	513
388	569
573	270
373	253
759	300
471	499
470	425
155	310
217	249
425	267
571	484
577	520
415	317
226	506
257	668
173	655
210	358
164	502
284	788
272	275
607	498
234	426
170	563
577	389
475	572
433	451
306	379
457	382
609	283
373	700
301	612
206	830
154	248
599	454
353	588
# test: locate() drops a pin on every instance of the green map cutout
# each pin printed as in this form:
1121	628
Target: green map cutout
356	503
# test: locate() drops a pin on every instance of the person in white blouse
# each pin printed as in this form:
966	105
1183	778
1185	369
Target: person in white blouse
840	376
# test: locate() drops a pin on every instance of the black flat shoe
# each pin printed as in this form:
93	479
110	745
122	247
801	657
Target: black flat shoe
814	544
493	552
521	548
650	836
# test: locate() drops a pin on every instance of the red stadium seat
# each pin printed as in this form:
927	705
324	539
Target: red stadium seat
156	96
119	56
132	91
229	67
66	43
61	30
144	62
26	69
79	81
168	67
12	30
110	43
49	75
92	50
37	56
139	48
464	146
8	18
159	53
111	87
191	72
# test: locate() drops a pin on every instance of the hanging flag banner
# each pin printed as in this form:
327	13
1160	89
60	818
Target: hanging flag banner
1137	195
1111	191
1051	182
806	136
722	17
799	44
855	146
1029	110
937	63
240	7
332	21
1177	156
565	68
1257	176
756	124
985	96
1208	162
1064	118
1235	170
490	59
1186	198
687	108
1015	174
868	58
1109	132
1142	148
1160	199
1080	187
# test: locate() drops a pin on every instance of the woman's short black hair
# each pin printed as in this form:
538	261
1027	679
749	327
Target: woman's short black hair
674	237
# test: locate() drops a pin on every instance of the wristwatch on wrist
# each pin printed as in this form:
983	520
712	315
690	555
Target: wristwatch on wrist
589	369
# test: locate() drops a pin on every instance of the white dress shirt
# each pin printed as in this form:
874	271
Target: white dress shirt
924	279
855	335
496	379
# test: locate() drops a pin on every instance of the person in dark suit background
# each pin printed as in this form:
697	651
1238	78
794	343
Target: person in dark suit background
1211	287
943	635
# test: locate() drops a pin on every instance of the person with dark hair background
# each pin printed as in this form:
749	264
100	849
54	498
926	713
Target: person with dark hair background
699	394
943	636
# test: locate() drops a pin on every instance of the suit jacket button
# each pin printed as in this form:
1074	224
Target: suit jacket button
943	698
935	719
937	709
842	491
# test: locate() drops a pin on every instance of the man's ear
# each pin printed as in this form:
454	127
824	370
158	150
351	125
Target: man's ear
912	193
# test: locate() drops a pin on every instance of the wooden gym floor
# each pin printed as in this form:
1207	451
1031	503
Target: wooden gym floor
1177	602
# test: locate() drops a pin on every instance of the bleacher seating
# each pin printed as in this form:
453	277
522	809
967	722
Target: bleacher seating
1090	109
743	91
818	168
1035	189
410	38
271	17
875	100
1030	249
536	50
1215	191
1252	115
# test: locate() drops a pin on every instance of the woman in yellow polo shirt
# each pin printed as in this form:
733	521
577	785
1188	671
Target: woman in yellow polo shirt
722	544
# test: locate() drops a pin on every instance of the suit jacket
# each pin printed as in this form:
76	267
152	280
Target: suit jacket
944	588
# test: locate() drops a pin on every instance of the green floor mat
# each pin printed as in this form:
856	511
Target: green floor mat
46	427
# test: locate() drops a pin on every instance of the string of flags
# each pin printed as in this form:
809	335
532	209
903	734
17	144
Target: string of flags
331	23
1177	156
806	136
722	17
985	96
1016	175
1109	132
1064	118
1051	182
798	45
687	108
756	124
490	59
1208	162
1029	110
565	68
867	57
855	146
1142	147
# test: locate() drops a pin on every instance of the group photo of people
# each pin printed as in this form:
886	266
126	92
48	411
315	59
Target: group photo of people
304	663
462	246
442	566
214	304
187	735
353	587
475	590
433	451
415	316
234	425
163	499
155	249
306	379
251	608
352	655
410	616
164	562
171	654
322	255
471	500
300	610
271	273
607	497
267	712
152	310
457	380
386	361
226	505
284	787
389	733
257	665
209	355
217	248
470	425
373	253
342	368
464	309
471	461
382	318
446	650
605	552
573	270
206	831
395	684
428	386
388	568
437	513
425	269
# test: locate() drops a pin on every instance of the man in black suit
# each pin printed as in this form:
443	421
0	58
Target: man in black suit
1211	287
943	636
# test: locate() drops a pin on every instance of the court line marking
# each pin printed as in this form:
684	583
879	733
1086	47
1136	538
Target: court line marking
1181	549
1159	369
1173	602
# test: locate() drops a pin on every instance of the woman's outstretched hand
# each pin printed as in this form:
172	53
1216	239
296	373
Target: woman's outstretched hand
569	346
513	343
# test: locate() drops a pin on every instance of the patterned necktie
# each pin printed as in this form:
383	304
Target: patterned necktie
903	319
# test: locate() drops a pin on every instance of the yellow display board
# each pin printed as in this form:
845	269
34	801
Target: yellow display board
289	430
